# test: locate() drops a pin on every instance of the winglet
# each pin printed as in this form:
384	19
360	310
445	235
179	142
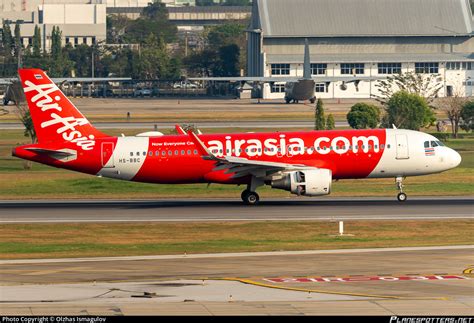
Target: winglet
179	129
205	153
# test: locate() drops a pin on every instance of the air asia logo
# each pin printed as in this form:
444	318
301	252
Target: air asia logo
293	146
48	102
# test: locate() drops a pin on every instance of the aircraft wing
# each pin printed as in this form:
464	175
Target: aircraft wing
272	79
6	81
246	79
89	79
242	166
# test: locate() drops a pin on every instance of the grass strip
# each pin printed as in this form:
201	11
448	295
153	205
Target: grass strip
23	241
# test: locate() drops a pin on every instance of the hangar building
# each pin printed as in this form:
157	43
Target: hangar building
365	38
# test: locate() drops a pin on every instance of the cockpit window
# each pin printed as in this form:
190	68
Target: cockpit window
440	143
427	144
434	144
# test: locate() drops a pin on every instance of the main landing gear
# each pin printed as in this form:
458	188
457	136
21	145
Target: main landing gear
249	196
402	197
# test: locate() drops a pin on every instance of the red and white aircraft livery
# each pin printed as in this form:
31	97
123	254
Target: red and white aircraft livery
304	163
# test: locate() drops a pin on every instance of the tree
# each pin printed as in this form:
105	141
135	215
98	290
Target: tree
153	60
453	107
229	60
222	55
425	85
408	111
36	49
82	57
363	116
59	63
9	65
467	116
319	119
33	57
202	3
18	46
330	123
7	39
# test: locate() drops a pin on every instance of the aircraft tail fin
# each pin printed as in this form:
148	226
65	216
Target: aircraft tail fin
54	116
307	61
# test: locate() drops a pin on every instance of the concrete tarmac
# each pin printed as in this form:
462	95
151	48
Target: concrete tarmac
193	210
395	281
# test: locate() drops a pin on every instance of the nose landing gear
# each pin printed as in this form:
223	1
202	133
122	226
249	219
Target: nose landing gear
402	197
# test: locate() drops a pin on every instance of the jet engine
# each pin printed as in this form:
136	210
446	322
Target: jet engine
313	182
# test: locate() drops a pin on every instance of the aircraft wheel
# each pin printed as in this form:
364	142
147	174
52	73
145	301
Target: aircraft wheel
250	198
244	194
287	101
402	197
312	100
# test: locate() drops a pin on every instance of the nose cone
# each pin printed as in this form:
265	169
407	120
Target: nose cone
454	158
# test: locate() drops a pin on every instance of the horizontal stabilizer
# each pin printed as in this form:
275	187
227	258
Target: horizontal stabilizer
62	155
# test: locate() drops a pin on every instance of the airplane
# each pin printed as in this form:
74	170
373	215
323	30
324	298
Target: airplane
304	163
296	88
13	90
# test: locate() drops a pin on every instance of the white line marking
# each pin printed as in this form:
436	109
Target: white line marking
231	255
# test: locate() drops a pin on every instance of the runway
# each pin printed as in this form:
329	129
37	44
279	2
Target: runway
227	210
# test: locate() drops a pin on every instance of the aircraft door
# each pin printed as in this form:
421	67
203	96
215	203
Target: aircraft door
402	146
107	155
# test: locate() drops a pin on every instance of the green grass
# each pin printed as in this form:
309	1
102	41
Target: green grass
84	240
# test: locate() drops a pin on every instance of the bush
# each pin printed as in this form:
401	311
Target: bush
363	116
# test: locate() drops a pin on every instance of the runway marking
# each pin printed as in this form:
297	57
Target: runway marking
346	279
254	283
469	271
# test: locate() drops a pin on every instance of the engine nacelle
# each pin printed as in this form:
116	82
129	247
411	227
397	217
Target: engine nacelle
313	182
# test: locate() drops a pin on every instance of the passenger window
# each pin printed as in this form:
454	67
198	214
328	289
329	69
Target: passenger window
176	153
382	146
144	153
170	153
131	154
150	153
182	152
189	152
163	153
195	152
